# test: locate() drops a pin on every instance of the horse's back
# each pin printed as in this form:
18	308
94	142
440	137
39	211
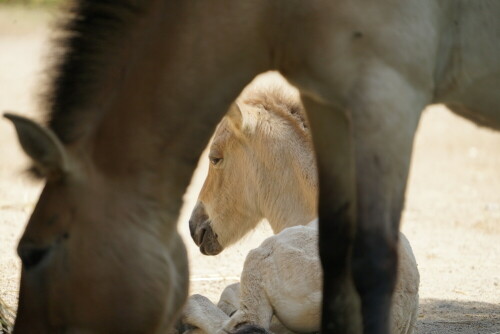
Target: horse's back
448	50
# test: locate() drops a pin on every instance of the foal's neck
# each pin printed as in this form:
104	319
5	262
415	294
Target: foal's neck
292	207
279	225
291	185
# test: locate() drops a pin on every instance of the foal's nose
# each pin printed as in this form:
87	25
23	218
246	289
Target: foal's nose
193	225
198	216
30	254
198	231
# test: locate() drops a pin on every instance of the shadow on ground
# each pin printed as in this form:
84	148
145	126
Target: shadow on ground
460	317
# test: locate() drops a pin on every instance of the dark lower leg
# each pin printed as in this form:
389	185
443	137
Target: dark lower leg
374	272
341	309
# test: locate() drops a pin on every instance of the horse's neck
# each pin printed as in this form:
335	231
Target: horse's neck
145	136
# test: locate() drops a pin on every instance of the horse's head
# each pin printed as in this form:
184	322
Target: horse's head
261	166
89	264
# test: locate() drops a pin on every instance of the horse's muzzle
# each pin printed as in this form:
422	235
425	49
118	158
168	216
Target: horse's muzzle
202	233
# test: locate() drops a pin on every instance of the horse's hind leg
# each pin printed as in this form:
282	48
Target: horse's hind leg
337	200
385	112
385	116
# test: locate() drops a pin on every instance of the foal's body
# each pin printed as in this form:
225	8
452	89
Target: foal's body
136	96
282	279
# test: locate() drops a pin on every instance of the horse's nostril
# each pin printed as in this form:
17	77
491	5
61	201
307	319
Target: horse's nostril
31	255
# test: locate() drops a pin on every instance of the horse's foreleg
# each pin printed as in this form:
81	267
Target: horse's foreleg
385	114
337	200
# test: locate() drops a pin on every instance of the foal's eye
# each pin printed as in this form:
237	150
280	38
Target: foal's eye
214	160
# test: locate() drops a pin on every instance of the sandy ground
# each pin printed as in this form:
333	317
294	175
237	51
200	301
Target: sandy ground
452	215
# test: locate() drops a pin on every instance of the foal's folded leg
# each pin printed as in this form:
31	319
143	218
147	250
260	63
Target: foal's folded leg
202	314
229	301
254	308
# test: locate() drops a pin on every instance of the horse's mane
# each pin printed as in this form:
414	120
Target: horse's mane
90	35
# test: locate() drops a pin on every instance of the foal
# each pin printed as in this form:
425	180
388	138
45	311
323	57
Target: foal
282	278
264	141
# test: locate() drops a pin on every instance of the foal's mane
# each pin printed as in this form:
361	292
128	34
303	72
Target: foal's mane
282	101
89	39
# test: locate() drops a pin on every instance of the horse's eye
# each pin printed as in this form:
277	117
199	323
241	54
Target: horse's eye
214	160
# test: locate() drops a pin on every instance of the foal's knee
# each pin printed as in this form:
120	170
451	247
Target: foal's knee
229	300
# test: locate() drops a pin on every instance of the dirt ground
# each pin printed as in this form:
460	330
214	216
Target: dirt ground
452	215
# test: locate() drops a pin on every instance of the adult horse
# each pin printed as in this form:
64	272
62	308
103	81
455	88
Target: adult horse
137	93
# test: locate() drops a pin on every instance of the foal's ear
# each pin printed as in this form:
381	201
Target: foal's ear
40	144
235	116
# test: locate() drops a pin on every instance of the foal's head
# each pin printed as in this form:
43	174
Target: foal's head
261	166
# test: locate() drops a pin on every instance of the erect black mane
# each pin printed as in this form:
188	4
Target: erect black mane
91	33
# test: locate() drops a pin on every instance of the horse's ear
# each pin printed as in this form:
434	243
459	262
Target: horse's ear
235	116
40	144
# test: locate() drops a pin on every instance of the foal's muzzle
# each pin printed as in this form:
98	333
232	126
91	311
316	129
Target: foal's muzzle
202	233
